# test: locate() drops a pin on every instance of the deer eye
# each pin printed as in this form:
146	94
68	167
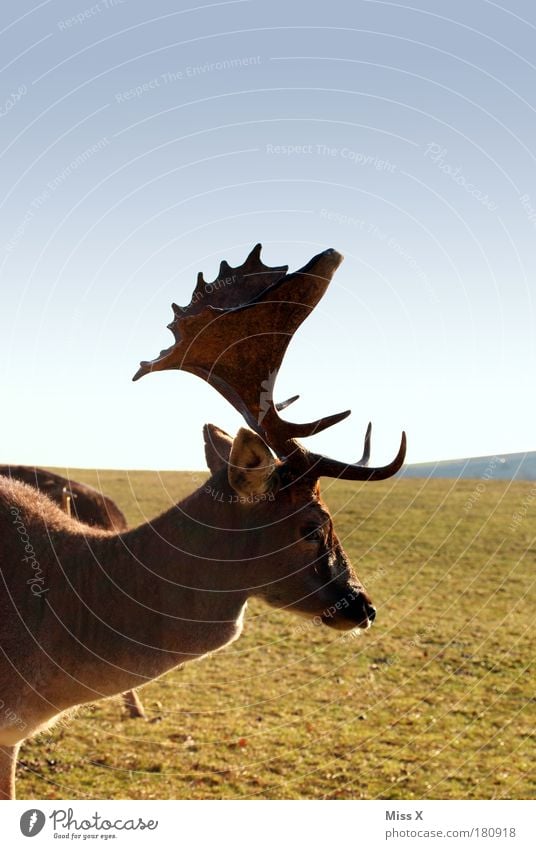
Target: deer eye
313	534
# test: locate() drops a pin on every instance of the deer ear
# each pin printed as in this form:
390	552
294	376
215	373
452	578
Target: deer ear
251	464
218	446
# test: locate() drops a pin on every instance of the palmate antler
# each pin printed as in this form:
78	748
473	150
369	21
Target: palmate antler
234	334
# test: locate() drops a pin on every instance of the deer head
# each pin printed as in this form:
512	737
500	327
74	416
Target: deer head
234	334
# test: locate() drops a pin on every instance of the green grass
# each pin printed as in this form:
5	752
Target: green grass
435	701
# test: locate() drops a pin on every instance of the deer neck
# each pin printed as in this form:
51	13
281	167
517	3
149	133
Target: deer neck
140	603
182	576
199	542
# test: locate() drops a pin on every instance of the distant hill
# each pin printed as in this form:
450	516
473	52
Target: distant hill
521	467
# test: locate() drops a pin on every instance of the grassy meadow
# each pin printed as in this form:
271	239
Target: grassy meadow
436	701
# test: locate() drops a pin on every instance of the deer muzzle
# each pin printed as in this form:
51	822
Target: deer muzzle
353	611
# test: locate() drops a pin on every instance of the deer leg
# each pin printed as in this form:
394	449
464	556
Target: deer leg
133	704
8	763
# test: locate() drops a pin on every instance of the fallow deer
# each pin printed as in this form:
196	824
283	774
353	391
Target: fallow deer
87	504
87	614
90	507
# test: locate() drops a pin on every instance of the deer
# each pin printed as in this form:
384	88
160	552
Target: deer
85	503
88	506
88	613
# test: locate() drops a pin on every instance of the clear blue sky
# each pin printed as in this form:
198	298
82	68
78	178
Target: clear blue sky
141	143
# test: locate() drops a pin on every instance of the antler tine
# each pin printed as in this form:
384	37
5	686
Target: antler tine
326	467
282	405
366	447
282	435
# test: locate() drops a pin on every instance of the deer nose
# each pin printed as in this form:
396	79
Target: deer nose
370	610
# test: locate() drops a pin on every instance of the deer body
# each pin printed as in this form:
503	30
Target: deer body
88	506
107	615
